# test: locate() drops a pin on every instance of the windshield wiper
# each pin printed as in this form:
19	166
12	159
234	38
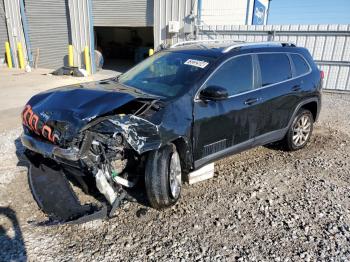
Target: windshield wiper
116	79
139	91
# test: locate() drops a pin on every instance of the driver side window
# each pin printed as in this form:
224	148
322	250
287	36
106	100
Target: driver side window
236	75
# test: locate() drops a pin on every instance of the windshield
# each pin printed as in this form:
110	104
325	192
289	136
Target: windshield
166	73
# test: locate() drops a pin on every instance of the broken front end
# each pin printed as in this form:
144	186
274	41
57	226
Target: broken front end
107	151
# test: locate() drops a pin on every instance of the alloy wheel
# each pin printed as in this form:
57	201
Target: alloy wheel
175	175
301	130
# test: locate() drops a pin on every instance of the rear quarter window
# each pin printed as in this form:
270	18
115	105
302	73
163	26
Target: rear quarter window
274	68
300	65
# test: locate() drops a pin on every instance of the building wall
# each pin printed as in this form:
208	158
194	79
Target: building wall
15	29
170	10
224	12
123	12
3	30
81	20
49	31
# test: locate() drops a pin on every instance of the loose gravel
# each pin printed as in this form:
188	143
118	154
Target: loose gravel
261	205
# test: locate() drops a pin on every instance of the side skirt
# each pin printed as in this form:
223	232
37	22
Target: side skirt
251	143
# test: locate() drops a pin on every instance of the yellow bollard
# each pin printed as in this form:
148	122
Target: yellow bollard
8	54
87	60
70	56
20	56
150	52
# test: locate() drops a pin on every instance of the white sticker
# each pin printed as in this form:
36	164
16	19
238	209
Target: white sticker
196	63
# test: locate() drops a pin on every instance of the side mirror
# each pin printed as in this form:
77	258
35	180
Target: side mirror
213	93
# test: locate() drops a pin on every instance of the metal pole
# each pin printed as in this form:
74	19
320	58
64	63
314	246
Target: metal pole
20	55
70	56
26	33
199	12
87	60
92	38
268	12
247	15
8	54
198	21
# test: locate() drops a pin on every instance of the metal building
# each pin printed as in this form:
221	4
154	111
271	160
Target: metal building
49	31
3	30
123	30
222	12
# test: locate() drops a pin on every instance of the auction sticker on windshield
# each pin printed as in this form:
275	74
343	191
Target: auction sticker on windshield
196	63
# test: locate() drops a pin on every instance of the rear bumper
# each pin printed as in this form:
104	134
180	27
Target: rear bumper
49	150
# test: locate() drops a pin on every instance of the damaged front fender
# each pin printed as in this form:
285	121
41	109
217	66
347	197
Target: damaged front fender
140	134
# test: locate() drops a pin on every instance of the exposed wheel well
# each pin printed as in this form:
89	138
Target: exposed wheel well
312	107
183	149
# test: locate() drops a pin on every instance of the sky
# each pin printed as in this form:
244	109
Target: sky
309	12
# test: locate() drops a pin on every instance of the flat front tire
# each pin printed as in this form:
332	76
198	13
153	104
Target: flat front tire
163	177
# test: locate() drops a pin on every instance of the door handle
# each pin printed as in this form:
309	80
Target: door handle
251	101
296	88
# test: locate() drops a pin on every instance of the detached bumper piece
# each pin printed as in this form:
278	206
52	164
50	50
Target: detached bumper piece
49	150
56	198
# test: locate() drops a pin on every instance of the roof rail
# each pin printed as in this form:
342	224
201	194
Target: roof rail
267	43
193	42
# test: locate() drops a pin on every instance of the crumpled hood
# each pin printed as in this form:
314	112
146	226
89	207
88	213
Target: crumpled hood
72	107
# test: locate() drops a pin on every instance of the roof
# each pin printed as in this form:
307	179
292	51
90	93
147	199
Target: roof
217	48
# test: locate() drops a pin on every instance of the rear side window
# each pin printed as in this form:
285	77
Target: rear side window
301	67
236	75
274	68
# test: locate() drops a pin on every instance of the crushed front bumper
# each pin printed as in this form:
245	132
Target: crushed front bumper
49	150
51	189
55	197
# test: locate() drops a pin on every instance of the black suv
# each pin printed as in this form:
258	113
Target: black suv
178	110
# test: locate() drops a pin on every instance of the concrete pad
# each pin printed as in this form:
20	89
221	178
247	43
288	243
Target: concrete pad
17	87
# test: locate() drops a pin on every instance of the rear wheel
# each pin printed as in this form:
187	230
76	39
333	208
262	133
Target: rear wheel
163	177
300	131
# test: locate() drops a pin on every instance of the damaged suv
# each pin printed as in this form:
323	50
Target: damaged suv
173	113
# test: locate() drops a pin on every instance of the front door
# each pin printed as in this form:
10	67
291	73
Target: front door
221	126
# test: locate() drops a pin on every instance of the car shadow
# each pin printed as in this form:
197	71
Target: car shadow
138	193
12	246
277	146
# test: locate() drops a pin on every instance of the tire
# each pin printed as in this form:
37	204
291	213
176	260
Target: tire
163	177
299	132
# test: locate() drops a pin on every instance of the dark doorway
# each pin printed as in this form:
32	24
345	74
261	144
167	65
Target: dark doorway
122	47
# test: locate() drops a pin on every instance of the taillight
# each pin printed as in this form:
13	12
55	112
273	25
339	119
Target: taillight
322	74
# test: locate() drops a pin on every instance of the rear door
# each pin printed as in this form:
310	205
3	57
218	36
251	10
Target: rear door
278	91
301	68
219	126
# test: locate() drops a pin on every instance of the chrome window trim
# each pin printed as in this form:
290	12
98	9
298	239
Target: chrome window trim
196	97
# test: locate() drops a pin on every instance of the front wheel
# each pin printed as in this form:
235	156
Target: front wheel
163	177
300	131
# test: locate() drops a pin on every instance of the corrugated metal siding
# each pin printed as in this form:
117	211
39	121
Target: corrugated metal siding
3	30
48	22
222	12
15	29
80	25
170	10
123	12
328	44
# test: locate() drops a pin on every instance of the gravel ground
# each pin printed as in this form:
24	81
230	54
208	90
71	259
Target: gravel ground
262	204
